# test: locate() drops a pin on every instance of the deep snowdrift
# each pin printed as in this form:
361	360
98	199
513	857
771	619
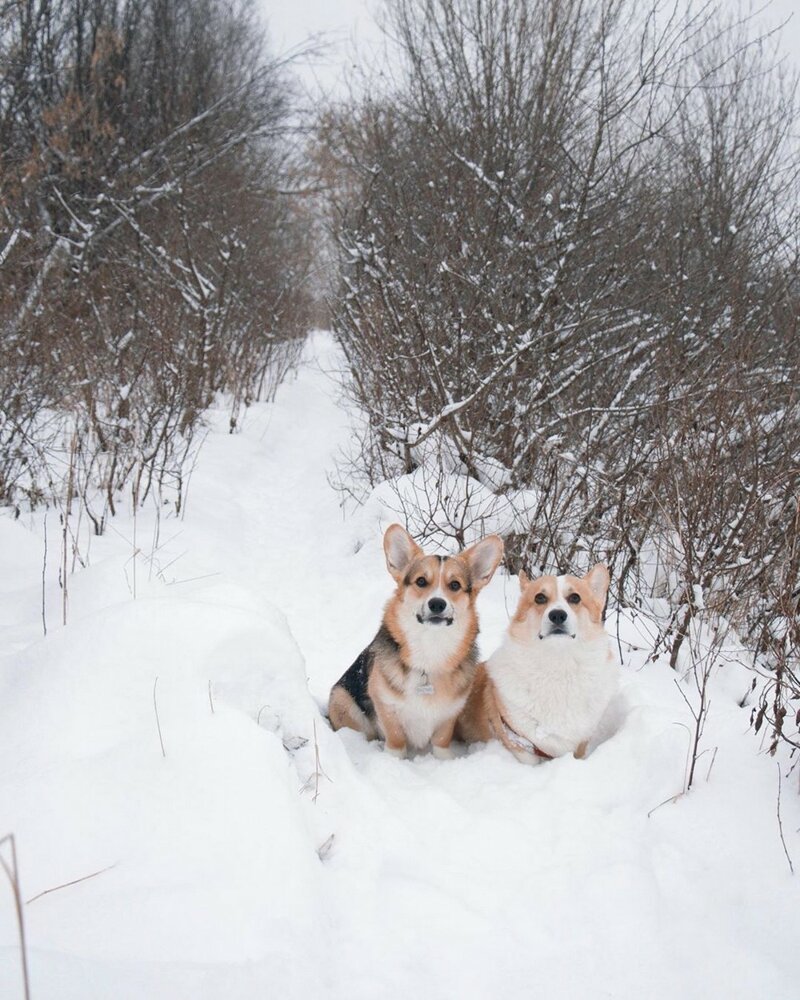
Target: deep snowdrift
261	855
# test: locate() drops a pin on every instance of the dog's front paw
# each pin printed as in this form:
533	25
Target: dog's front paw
579	753
443	753
396	751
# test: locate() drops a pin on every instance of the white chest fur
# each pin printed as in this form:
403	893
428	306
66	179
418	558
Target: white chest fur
420	709
428	646
421	714
555	695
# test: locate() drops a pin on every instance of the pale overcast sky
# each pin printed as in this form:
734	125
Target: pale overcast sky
345	25
348	24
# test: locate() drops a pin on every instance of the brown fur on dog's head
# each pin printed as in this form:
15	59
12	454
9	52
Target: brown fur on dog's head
469	570
581	598
437	590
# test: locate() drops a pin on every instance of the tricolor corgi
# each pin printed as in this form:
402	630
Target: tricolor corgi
408	686
544	691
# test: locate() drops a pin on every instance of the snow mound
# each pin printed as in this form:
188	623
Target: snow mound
436	507
193	834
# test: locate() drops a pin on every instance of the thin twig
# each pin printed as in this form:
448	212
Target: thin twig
65	532
713	758
44	579
192	579
12	873
65	885
672	798
318	763
318	770
158	721
780	824
210	699
135	498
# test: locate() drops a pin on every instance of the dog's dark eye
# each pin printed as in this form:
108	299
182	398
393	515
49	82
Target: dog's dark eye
454	585
574	598
541	598
421	581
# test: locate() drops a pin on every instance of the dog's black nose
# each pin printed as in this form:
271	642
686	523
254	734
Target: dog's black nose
436	606
557	616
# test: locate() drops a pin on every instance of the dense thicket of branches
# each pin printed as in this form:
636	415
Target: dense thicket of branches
150	254
569	268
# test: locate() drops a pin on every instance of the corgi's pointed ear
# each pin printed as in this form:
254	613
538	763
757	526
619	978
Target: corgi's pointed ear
483	558
400	549
524	579
598	580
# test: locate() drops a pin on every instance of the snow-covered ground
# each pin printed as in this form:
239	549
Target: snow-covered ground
261	855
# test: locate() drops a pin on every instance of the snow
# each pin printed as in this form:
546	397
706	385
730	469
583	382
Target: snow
263	855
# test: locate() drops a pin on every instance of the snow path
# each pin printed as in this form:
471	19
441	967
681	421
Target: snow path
475	878
275	492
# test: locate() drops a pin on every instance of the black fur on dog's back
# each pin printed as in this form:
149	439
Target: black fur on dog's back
356	678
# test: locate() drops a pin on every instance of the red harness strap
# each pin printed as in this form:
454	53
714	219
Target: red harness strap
523	743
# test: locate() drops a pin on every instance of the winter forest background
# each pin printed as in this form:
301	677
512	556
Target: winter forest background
557	243
557	247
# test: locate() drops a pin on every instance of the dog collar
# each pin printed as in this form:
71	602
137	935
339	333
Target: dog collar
523	743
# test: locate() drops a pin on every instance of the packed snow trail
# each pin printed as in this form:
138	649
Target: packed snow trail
261	855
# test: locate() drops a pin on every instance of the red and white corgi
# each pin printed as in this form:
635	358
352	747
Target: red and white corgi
408	686
544	691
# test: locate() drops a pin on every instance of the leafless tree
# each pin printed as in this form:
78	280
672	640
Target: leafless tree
569	270
150	248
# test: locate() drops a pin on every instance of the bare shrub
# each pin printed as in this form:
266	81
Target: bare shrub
568	255
149	240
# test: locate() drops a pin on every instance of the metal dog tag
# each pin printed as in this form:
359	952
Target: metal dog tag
424	686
